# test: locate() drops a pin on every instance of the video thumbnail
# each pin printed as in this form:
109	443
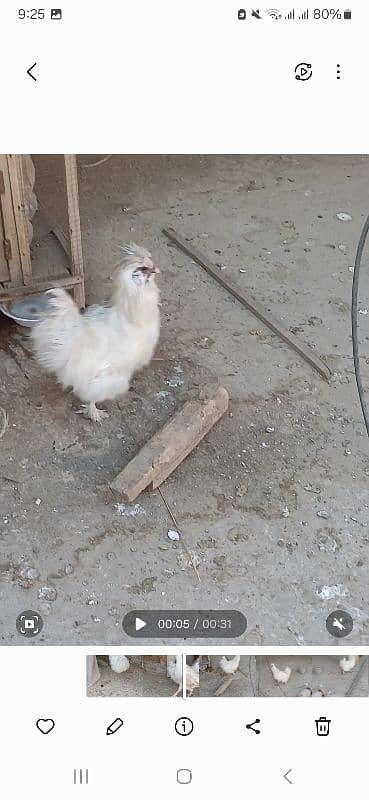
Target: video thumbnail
135	676
179	423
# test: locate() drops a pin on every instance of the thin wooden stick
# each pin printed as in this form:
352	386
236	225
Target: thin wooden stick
175	523
252	305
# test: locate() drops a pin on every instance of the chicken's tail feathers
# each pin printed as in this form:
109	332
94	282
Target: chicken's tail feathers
60	302
54	333
229	666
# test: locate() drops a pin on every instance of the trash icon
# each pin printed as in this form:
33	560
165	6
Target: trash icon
322	726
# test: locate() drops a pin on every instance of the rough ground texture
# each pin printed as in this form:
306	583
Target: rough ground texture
273	505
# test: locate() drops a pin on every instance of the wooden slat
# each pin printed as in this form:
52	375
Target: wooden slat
172	444
4	269
252	305
21	222
74	226
13	271
71	282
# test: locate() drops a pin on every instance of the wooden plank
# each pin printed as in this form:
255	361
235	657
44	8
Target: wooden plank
20	291
21	222
14	271
74	226
4	269
252	305
170	446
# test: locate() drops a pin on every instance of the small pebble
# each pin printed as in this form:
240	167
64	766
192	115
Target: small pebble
173	535
344	217
29	573
286	512
47	593
329	592
38	501
91	601
323	514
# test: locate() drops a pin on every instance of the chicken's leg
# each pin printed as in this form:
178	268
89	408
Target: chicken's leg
90	411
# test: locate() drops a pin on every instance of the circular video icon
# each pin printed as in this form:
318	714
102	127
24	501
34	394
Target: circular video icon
303	71
29	624
339	624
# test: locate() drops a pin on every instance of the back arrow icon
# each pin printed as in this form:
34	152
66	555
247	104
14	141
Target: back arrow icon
29	71
286	774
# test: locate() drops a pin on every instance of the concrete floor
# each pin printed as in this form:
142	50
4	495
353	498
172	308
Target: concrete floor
273	504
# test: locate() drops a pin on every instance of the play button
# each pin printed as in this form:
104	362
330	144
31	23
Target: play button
139	624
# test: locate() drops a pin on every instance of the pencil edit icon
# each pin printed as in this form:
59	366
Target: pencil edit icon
114	726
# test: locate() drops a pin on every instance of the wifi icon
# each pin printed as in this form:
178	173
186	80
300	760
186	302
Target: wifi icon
274	13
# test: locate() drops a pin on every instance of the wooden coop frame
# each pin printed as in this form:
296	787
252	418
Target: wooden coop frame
16	274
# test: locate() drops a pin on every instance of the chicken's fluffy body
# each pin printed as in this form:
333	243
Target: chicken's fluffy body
96	353
175	672
229	665
119	663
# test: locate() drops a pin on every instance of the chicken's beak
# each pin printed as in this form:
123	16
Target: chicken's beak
152	271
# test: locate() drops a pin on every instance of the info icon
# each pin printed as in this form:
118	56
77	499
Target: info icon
339	624
29	624
184	726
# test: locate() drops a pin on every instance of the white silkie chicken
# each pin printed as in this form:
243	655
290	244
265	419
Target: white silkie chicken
119	663
95	353
229	665
175	672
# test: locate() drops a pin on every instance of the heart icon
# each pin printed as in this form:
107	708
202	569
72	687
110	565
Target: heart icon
45	725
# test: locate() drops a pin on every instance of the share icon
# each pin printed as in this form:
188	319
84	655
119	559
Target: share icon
250	726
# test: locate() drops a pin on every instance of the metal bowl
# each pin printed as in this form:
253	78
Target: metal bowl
28	310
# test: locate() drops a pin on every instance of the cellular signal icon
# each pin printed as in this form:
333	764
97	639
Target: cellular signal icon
305	14
291	14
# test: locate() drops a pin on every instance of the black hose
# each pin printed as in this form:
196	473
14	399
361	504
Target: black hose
354	322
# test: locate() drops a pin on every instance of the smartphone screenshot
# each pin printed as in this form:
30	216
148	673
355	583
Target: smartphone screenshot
184	303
